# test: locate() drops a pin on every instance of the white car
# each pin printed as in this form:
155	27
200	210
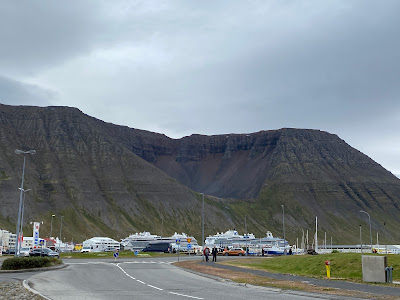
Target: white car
86	249
24	251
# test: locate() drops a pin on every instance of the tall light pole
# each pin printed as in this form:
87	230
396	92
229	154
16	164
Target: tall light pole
51	225
283	223
202	226
60	231
245	229
20	197
162	224
22	214
370	232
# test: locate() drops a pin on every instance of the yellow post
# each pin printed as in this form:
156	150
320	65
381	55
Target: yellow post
328	269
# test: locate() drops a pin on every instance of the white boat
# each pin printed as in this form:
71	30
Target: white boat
138	241
229	238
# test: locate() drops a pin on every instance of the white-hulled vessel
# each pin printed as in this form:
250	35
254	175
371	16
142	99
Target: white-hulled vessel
228	239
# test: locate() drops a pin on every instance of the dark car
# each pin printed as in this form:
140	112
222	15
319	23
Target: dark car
44	252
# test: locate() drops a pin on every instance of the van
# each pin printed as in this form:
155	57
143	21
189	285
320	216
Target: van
158	247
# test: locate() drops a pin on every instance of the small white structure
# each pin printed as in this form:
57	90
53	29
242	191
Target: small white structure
101	244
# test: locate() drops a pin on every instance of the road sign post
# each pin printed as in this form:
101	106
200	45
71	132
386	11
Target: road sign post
178	242
115	256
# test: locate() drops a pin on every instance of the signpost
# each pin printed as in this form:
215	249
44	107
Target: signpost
116	255
178	242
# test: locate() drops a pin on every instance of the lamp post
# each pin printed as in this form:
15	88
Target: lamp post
20	197
60	231
370	232
22	215
361	240
51	225
202	226
283	223
162	224
245	229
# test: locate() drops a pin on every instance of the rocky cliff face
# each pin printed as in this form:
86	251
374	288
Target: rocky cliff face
113	180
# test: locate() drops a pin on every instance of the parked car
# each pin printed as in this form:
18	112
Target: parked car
44	252
86	249
24	251
233	251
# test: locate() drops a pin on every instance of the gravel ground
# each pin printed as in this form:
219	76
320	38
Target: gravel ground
15	291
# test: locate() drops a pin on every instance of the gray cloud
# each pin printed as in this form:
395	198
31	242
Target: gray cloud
18	93
180	67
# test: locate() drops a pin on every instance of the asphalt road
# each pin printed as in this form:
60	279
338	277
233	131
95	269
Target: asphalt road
153	278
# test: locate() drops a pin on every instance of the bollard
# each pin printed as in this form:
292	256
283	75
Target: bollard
328	268
389	274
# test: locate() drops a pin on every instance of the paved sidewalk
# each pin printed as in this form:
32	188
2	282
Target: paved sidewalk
344	285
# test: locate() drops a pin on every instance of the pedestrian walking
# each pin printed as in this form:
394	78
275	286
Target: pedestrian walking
206	253
214	254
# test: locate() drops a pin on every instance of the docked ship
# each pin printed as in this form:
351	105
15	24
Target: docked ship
231	238
139	241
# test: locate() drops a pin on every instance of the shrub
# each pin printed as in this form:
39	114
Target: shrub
17	263
335	251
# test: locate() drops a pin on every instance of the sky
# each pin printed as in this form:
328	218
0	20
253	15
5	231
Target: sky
213	66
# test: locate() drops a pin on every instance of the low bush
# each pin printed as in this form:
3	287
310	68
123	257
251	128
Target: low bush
17	263
335	251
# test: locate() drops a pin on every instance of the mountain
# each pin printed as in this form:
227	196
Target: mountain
113	180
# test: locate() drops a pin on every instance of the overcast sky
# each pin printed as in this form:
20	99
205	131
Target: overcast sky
212	67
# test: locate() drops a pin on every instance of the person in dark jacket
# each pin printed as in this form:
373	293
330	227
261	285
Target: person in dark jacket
206	253
214	254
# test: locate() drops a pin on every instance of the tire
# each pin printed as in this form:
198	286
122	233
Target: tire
226	254
240	254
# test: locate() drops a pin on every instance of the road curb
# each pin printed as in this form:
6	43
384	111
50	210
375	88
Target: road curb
25	283
56	267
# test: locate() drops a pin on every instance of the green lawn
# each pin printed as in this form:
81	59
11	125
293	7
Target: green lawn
343	265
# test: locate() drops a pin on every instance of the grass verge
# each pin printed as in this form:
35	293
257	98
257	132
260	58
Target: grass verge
345	266
247	278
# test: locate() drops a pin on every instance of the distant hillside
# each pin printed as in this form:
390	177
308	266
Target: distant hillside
113	180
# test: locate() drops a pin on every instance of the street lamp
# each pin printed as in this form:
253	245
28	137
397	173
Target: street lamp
370	232
51	225
60	231
361	240
245	229
20	196
283	222
22	214
202	226
162	224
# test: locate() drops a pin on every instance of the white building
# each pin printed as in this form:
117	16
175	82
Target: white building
101	244
7	240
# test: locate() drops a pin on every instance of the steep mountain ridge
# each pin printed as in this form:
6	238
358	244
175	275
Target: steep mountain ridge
113	180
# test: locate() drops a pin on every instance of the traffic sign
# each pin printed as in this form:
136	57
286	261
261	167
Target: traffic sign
189	240
189	246
116	254
42	242
178	241
136	252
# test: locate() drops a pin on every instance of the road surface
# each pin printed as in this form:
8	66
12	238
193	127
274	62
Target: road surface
153	278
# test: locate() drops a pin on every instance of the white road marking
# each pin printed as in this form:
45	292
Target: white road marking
185	295
152	286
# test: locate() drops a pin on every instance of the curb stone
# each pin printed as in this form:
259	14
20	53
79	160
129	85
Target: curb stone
26	285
